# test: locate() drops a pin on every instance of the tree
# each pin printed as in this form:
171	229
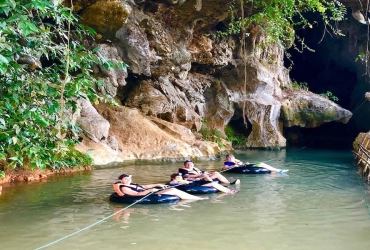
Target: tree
44	68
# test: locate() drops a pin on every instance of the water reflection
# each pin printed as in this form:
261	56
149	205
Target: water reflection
123	215
269	204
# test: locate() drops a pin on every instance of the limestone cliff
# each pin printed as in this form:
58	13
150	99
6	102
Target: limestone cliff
179	75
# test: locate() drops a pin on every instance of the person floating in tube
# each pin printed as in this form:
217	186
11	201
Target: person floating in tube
232	162
189	172
176	179
125	187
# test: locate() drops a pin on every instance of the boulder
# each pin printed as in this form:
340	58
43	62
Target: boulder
93	124
142	138
306	109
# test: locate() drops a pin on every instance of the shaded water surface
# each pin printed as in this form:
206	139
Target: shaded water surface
319	204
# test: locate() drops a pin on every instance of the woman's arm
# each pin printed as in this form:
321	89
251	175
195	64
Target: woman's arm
192	176
131	192
185	174
238	162
153	186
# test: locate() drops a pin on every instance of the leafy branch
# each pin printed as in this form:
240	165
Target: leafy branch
44	68
278	18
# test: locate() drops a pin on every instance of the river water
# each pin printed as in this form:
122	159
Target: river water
321	203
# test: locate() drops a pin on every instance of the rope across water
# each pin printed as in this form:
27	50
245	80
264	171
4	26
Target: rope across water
94	224
100	221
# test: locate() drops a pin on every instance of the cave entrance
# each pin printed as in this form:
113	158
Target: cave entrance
236	131
330	70
330	135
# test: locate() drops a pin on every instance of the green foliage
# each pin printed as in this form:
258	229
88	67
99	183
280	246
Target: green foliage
33	130
328	95
300	85
279	18
361	57
235	138
235	25
2	174
74	158
211	134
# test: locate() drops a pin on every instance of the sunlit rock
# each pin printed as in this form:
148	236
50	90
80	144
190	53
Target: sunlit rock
263	112
106	16
112	77
93	124
135	47
140	138
305	109
180	75
170	99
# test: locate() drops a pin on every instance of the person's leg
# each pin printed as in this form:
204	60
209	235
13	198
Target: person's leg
182	195
207	178
218	187
272	169
220	177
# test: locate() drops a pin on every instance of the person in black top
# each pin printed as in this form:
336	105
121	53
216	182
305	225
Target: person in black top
189	172
176	179
125	187
232	162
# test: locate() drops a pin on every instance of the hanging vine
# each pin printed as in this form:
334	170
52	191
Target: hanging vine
244	56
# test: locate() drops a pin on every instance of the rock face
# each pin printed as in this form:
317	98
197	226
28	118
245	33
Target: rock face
136	137
367	96
305	109
179	75
95	127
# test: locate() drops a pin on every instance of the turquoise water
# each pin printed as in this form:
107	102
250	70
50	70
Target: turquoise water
319	204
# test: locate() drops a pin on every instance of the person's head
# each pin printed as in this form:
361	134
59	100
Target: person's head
229	157
125	178
176	177
188	164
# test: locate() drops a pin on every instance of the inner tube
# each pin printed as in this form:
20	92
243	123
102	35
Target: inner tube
196	188
151	199
248	169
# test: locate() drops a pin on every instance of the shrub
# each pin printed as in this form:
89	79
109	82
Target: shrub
211	134
328	95
235	138
44	68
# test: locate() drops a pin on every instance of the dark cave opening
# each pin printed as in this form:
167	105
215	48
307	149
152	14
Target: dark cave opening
329	135
237	125
322	71
330	69
237	129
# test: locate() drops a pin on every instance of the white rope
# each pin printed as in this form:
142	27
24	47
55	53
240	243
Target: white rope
96	223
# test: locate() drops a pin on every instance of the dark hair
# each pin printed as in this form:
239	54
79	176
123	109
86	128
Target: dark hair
229	155
187	161
173	176
123	176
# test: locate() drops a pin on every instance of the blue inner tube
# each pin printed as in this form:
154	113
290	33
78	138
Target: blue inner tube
151	199
196	188
248	169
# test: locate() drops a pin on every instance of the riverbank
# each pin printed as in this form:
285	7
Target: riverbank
27	175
